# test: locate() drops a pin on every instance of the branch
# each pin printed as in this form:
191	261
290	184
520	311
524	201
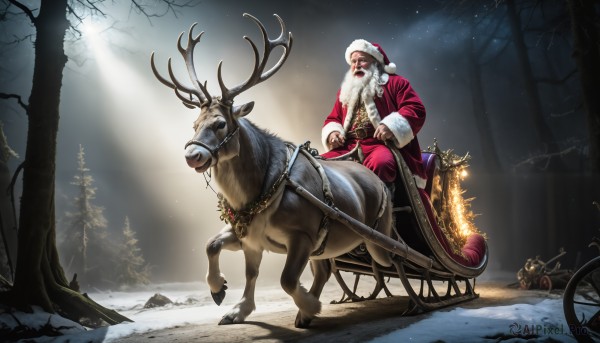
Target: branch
18	40
564	114
89	5
537	158
92	6
557	81
71	10
15	96
171	6
25	10
569	112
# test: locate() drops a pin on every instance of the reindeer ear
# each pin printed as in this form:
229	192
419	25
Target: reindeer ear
242	110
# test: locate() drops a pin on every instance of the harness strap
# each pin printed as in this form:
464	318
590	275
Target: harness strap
382	207
326	184
329	200
323	233
214	152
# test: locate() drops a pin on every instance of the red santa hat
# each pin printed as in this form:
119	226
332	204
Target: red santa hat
374	50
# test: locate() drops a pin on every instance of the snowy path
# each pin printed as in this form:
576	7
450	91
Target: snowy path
500	314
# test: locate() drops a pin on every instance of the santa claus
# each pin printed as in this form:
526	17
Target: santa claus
374	105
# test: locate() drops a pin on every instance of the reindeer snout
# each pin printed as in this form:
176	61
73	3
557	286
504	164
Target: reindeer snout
192	158
198	159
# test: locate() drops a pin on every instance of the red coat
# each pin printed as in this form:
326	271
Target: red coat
399	108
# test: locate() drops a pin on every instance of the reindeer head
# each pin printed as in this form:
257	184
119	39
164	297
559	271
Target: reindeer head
216	128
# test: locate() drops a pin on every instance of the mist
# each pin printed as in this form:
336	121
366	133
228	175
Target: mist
133	129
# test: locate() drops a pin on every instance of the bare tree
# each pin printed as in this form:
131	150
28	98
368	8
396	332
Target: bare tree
541	127
484	22
586	50
476	52
39	276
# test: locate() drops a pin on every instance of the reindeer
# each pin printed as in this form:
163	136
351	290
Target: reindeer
261	179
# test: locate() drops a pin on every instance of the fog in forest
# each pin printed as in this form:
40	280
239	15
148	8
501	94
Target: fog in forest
133	129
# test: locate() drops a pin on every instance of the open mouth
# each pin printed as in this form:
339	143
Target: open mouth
359	73
203	167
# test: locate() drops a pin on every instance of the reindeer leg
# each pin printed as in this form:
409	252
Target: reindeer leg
246	305
225	239
298	253
321	270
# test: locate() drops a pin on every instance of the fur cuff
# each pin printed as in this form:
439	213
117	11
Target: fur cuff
385	77
399	127
329	128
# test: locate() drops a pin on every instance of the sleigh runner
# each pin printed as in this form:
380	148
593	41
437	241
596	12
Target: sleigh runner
281	198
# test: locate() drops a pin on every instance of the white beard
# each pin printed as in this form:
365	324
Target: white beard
366	87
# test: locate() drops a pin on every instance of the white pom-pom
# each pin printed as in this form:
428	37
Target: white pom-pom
390	68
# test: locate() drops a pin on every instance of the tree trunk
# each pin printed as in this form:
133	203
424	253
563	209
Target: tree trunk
491	161
586	51
36	220
535	105
8	225
39	278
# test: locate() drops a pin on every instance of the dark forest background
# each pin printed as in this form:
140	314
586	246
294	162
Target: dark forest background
514	83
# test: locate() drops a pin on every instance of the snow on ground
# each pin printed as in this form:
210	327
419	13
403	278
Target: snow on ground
193	305
544	320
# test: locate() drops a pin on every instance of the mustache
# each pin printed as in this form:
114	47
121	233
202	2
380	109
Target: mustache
366	71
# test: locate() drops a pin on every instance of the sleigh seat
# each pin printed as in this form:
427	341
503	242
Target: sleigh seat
474	250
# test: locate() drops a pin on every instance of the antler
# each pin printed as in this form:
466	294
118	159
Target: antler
203	98
258	75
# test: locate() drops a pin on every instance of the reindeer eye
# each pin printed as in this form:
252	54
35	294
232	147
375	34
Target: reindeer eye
220	125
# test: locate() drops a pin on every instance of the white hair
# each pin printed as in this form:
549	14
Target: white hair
354	88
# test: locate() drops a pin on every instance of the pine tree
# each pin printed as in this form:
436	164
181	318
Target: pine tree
131	267
84	233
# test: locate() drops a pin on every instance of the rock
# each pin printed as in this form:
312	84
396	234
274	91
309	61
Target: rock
157	300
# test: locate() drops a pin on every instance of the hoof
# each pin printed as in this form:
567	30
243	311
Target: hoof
302	323
220	295
226	320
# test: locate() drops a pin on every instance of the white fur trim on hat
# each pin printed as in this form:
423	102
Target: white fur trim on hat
364	46
400	128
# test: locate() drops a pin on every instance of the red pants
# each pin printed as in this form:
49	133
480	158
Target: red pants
378	157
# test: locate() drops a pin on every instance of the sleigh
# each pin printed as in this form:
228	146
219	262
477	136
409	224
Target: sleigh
279	197
436	262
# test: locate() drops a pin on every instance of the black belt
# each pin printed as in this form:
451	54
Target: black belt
361	133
